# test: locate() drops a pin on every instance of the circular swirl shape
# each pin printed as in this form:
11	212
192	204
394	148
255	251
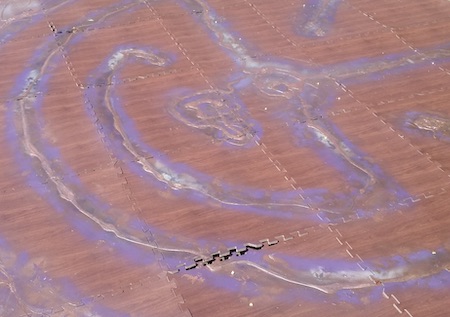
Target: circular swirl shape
218	115
277	82
198	108
437	126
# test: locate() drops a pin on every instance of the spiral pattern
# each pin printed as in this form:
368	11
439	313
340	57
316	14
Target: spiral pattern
158	194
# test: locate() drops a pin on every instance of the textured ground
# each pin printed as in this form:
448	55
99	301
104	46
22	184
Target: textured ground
224	158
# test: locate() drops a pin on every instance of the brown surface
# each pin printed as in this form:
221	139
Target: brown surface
120	255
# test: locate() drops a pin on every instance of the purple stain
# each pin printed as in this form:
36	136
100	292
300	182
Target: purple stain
439	281
38	176
316	18
175	172
12	26
172	174
317	99
349	296
29	278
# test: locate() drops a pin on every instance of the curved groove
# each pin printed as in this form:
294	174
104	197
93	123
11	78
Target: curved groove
309	92
120	127
26	119
25	111
301	86
214	115
316	274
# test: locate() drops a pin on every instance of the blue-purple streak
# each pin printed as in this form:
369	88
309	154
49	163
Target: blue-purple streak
316	18
282	78
60	187
48	174
28	289
328	276
29	166
127	145
278	78
12	26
